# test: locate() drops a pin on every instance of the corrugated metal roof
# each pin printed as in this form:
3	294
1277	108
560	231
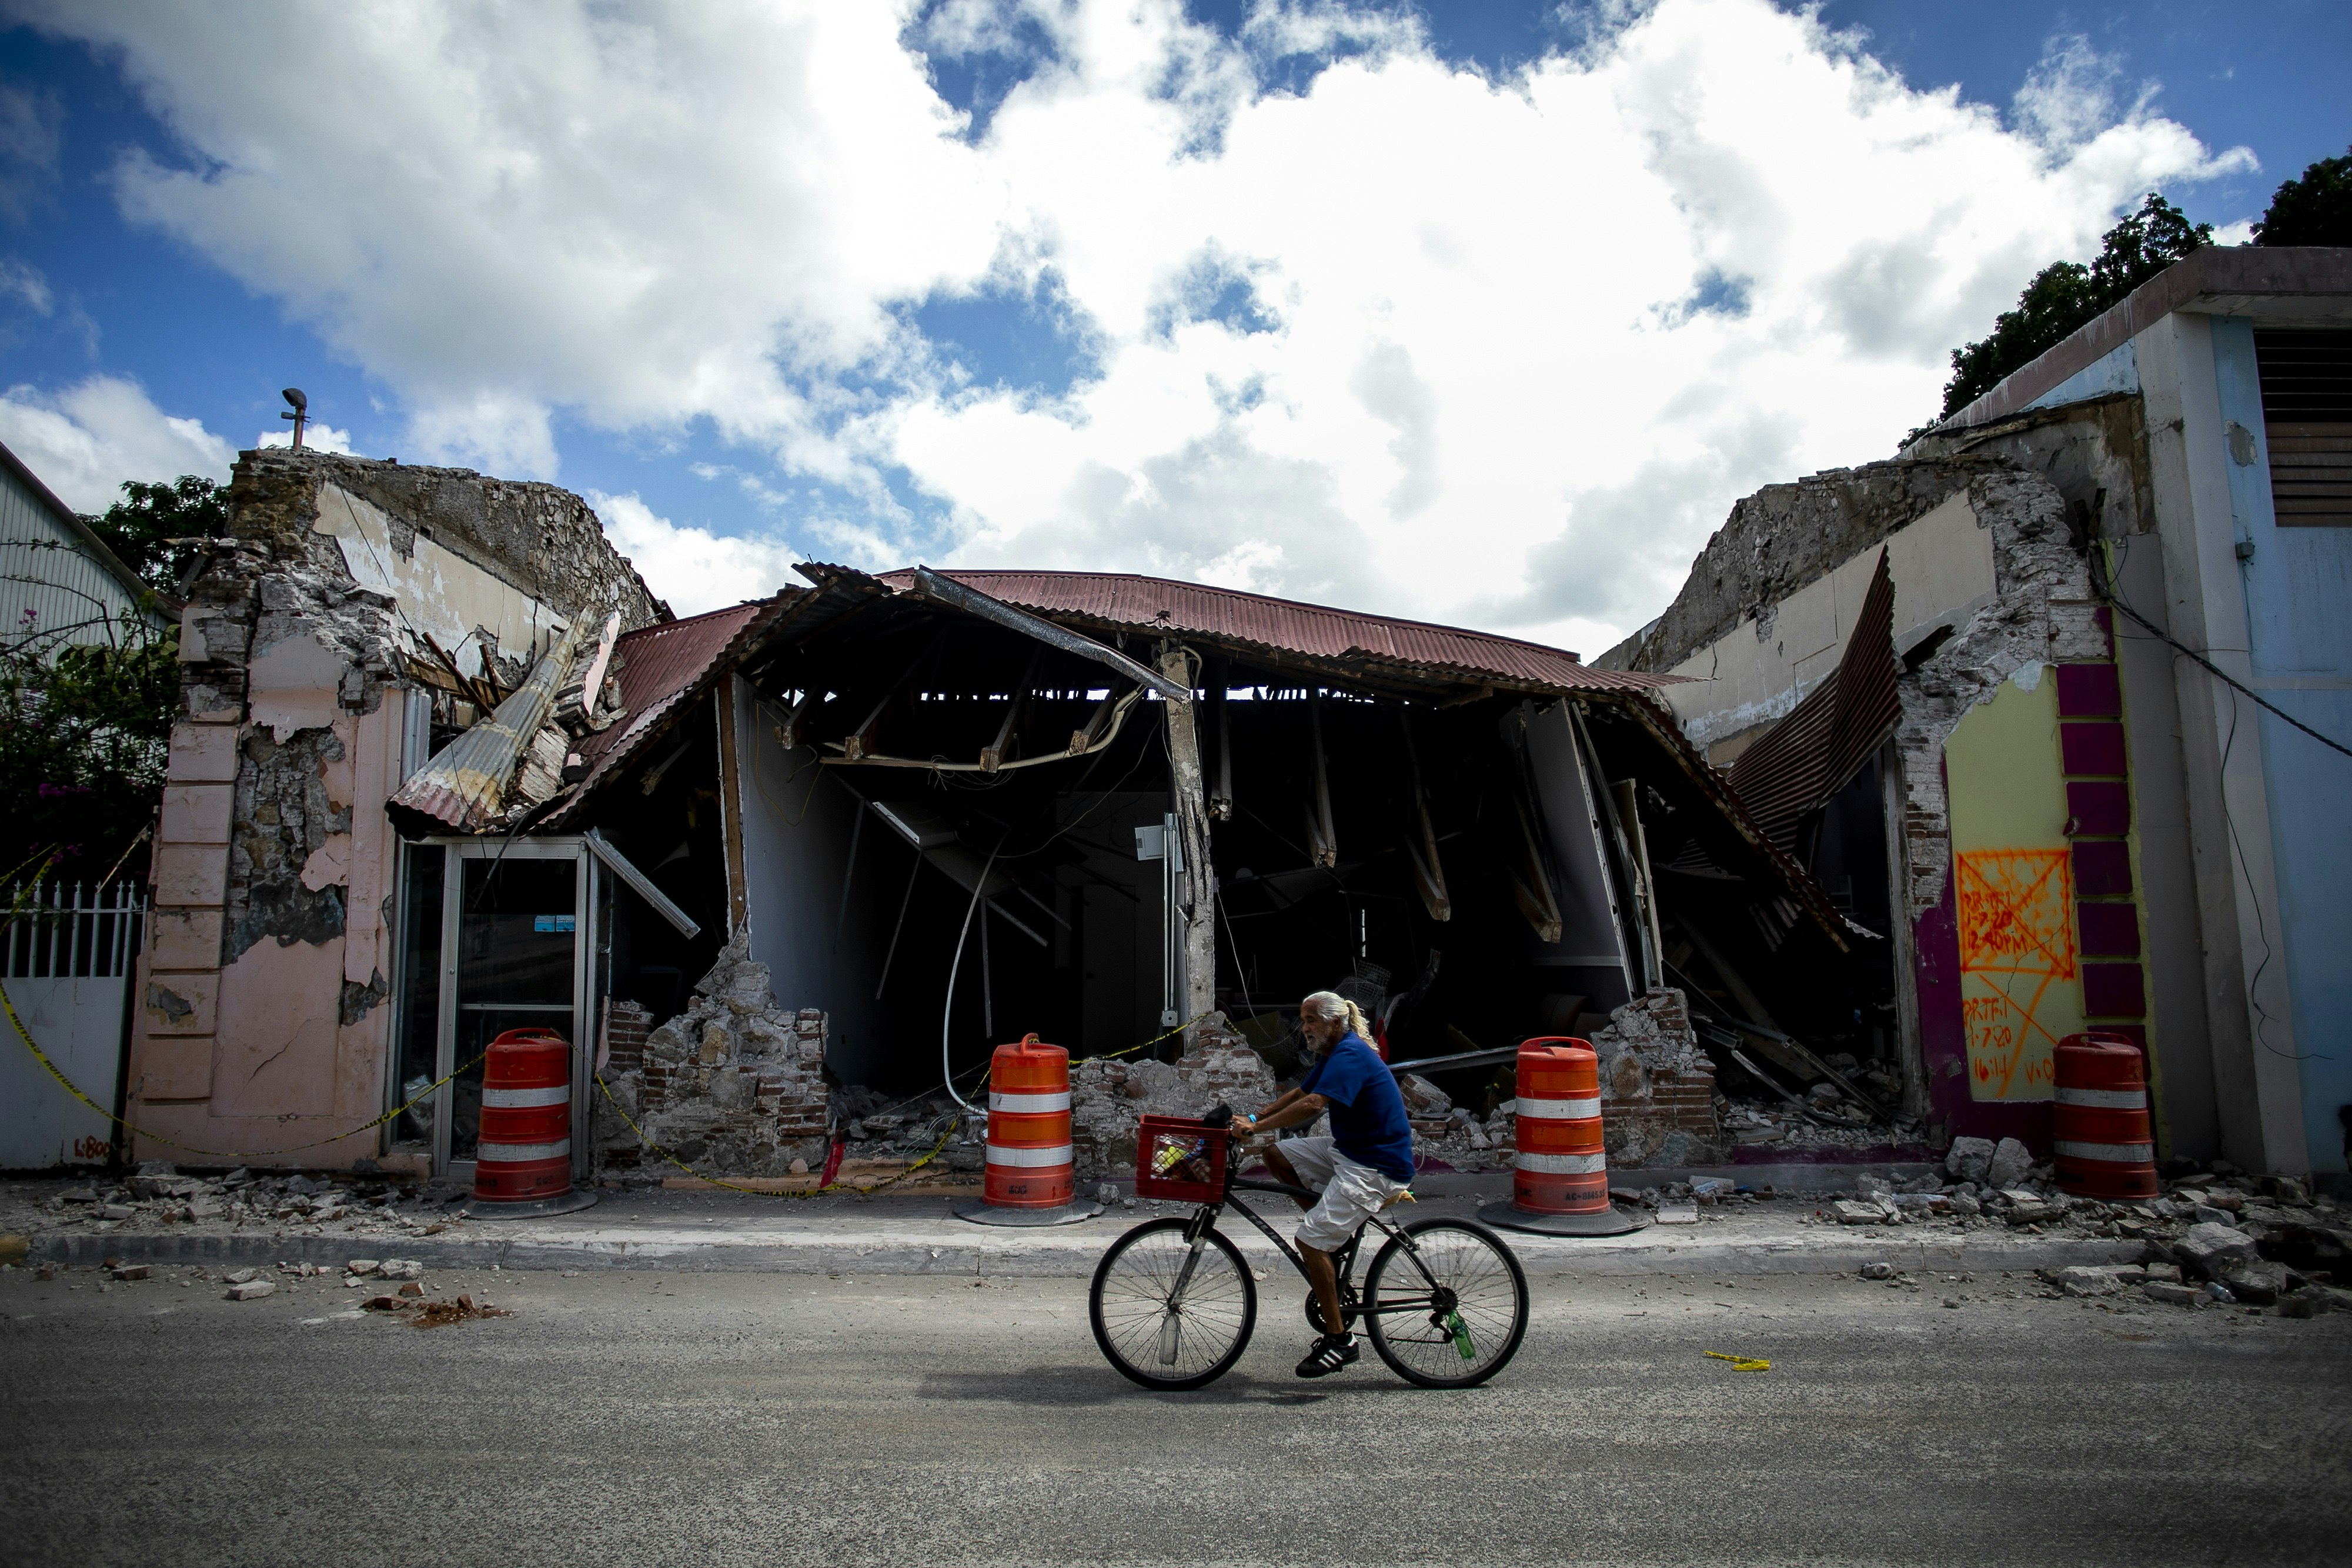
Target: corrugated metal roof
1122	602
663	666
465	785
1810	755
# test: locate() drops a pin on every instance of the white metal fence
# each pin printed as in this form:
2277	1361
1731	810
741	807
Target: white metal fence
66	960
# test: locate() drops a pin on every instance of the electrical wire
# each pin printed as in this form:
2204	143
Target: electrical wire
947	1013
2108	590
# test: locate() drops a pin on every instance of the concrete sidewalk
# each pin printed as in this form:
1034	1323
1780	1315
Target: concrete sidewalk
848	1235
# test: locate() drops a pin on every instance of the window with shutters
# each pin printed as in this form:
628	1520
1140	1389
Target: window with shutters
2307	414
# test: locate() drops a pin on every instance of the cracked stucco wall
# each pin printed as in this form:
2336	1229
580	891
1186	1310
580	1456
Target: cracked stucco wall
270	951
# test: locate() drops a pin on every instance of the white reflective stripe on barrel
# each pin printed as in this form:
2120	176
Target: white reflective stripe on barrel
2115	1153
1058	1154
2104	1099
516	1152
1563	1164
526	1099
1559	1109
1029	1103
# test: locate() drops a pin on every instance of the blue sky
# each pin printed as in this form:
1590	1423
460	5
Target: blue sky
1047	283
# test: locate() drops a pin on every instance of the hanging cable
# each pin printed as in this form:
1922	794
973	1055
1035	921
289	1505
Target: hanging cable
947	1013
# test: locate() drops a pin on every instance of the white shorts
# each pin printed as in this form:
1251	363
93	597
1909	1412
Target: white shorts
1352	1193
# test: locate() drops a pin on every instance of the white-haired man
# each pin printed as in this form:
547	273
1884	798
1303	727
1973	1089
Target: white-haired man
1358	1170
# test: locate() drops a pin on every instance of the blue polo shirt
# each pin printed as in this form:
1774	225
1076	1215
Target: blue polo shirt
1368	1120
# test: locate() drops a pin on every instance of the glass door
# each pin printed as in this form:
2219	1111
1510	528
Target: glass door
515	921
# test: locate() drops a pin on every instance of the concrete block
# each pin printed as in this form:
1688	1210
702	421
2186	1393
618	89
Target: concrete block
2010	1160
2210	1250
2172	1295
185	940
192	874
180	1004
251	1290
1969	1159
171	1068
196	813
203	754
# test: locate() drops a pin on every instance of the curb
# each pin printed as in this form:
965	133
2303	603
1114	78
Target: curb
1071	1253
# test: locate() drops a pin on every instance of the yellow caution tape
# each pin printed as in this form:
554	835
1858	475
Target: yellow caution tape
1742	1363
73	1089
755	1192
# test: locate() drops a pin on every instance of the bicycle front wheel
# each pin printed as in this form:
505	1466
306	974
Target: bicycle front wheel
1170	1313
1449	1311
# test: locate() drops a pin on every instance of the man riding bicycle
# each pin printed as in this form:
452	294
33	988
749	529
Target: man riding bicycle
1358	1170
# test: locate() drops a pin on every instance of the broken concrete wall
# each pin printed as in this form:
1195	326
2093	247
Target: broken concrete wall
1999	588
1109	1099
1657	1087
734	1085
261	1028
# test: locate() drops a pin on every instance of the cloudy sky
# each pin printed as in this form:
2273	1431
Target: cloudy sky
1480	312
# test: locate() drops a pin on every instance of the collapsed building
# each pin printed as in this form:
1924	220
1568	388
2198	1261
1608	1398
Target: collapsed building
2056	701
447	768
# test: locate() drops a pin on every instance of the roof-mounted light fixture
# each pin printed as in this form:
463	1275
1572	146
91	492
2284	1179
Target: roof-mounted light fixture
302	415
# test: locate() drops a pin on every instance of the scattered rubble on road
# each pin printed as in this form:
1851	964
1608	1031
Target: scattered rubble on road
424	1314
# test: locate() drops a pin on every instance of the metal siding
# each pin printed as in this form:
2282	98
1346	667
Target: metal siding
2297	583
64	581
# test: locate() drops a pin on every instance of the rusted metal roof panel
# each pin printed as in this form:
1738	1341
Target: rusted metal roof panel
1792	770
465	785
1125	603
663	666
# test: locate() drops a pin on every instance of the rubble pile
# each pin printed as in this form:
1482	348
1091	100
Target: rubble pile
1109	1099
733	1085
159	1195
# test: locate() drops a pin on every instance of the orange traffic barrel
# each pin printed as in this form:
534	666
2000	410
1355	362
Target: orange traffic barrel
1029	1160
1031	1171
523	1160
2100	1129
1559	1179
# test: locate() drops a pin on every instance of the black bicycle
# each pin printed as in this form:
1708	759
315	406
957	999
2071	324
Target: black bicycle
1173	1303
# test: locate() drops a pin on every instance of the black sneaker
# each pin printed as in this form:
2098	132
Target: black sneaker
1329	1354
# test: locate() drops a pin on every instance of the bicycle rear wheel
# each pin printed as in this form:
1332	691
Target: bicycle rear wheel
1170	1315
1465	1300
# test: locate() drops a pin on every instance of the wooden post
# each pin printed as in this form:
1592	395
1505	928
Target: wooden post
1197	904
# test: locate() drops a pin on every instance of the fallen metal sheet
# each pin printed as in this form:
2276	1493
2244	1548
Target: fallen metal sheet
465	786
641	884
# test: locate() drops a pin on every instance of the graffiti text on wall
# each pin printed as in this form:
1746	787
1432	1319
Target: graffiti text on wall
2017	952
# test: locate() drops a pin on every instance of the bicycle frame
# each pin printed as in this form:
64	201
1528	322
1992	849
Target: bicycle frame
1343	1262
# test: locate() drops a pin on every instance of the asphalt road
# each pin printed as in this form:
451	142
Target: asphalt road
716	1419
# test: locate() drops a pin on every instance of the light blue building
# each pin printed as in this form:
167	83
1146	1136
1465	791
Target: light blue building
2201	431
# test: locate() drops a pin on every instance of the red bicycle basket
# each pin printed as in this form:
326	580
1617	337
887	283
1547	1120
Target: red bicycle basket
1180	1159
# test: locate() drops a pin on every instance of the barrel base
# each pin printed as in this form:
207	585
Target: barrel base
528	1208
980	1213
1610	1222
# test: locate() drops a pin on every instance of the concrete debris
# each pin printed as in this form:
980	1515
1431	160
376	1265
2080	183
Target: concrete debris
734	1084
240	1276
2260	1283
1863	1211
1678	1214
2210	1250
1969	1159
411	1288
1878	1271
1110	1099
132	1271
2010	1160
399	1269
2172	1295
361	1266
251	1290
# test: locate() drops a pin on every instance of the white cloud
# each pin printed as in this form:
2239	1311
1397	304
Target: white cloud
694	568
316	437
26	284
87	440
1514	345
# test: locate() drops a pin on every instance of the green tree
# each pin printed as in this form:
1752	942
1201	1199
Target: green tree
2313	210
2065	293
140	527
86	720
